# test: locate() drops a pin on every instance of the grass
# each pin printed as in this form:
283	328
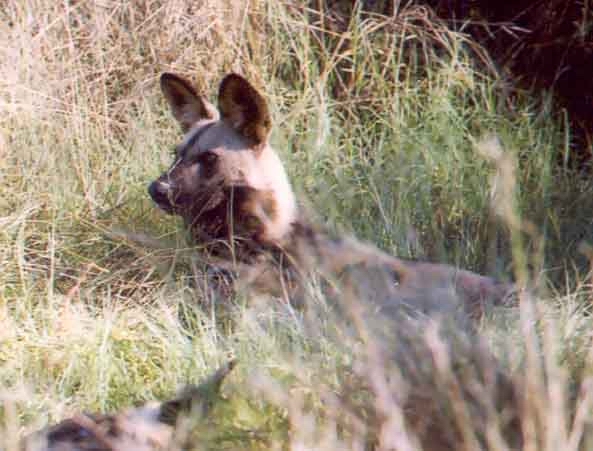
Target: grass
378	122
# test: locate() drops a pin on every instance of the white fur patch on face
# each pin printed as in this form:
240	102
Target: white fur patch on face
261	170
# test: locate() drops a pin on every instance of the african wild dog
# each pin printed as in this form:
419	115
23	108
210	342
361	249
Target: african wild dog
232	191
151	427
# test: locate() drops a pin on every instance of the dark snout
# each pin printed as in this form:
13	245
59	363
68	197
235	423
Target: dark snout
161	194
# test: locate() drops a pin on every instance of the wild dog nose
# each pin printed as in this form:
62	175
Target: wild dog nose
155	189
159	191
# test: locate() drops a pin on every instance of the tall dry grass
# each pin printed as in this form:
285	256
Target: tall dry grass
377	120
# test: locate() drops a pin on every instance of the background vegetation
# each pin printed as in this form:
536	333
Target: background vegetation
377	120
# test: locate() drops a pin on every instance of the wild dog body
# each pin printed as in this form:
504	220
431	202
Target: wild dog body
151	427
232	191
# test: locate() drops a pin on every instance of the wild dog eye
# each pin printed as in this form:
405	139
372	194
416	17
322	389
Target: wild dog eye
207	158
208	161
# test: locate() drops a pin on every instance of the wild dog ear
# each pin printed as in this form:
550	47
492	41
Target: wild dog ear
186	105
244	108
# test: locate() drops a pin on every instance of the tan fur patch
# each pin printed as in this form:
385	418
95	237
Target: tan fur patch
231	189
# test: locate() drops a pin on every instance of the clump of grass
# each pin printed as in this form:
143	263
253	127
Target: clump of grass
377	120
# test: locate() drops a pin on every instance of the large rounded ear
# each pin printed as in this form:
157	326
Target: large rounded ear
244	109
186	105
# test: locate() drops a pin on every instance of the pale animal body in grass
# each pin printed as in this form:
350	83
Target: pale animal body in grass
232	191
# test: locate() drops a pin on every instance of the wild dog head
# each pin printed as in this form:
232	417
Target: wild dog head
226	181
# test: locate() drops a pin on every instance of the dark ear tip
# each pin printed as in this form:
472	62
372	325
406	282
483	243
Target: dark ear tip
166	77
233	76
234	79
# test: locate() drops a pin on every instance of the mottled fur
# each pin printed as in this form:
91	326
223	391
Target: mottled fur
150	427
232	191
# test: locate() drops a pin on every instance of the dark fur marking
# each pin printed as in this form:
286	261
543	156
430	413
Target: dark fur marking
194	139
244	108
230	222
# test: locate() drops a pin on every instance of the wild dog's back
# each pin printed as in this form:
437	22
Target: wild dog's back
231	189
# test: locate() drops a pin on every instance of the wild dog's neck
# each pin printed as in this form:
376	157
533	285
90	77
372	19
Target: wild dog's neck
245	219
276	204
